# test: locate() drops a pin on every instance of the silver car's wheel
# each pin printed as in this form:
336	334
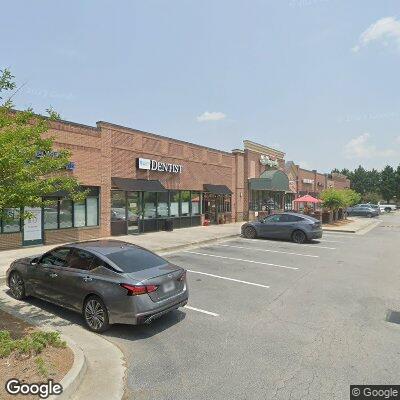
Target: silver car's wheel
299	237
250	233
95	314
17	286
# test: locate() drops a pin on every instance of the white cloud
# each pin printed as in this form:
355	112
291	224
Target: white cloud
211	116
385	30
360	147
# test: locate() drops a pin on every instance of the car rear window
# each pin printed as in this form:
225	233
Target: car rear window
132	260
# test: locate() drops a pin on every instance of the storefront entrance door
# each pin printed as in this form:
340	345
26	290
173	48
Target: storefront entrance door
132	206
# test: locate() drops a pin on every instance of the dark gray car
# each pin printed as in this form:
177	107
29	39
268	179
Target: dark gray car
292	226
108	281
363	210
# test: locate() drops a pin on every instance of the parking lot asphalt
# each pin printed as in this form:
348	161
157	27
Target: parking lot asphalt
269	319
274	320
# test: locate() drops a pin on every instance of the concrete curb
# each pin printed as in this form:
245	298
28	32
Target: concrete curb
75	375
339	230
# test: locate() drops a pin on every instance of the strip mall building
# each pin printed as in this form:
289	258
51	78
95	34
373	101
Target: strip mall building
138	181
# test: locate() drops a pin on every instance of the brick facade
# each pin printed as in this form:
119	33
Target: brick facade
110	150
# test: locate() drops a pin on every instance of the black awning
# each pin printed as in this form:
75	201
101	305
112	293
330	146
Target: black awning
217	189
137	185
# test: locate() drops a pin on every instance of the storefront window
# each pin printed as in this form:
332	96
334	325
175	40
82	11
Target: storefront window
174	203
65	214
118	205
92	208
150	201
196	202
79	214
162	206
12	223
50	214
185	203
227	204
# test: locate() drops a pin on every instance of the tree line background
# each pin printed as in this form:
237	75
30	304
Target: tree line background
374	185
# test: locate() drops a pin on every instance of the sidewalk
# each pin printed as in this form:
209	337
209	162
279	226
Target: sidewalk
104	373
359	225
160	242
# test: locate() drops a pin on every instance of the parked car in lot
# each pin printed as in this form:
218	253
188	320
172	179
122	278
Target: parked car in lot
108	281
363	210
387	207
374	206
288	225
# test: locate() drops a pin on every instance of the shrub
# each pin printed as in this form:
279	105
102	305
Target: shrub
36	342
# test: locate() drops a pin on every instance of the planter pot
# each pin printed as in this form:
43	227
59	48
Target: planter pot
327	217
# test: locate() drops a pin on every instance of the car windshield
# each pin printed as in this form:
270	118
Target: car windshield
135	259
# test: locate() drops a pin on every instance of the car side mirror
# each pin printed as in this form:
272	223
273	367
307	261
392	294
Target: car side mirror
35	261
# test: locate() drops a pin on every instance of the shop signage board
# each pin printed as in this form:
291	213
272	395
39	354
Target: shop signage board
266	160
33	227
160	166
305	180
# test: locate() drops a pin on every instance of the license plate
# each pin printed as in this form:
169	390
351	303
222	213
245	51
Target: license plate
169	286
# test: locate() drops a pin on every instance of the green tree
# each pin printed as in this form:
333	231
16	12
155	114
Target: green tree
30	169
388	183
333	199
371	197
359	179
398	183
350	197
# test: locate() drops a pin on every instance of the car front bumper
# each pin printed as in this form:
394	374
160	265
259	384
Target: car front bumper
317	234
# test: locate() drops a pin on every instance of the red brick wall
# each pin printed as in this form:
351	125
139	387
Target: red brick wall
10	241
70	235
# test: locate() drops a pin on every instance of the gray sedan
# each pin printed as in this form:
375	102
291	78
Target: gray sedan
363	210
292	226
108	281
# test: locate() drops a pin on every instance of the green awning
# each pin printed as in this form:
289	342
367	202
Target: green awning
274	180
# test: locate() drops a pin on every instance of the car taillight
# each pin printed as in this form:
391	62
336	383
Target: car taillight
182	277
135	290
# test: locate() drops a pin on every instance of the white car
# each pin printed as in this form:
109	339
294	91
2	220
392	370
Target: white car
387	207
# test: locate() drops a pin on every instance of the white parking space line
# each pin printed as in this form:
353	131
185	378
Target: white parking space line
328	241
229	279
202	311
269	251
240	259
314	246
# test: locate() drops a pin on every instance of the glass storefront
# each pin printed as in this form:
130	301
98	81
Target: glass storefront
62	213
264	200
217	207
135	212
59	213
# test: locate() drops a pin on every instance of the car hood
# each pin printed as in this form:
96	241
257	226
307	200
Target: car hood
27	260
149	273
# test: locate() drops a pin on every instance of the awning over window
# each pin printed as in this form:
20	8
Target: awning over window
217	189
137	185
274	180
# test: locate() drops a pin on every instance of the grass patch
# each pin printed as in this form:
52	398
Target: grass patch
41	367
34	343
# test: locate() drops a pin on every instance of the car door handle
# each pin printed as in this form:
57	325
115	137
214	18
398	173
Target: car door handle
87	279
53	275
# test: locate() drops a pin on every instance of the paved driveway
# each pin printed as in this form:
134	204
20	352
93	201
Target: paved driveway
272	320
275	320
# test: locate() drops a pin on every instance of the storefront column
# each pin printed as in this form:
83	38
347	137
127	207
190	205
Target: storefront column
105	194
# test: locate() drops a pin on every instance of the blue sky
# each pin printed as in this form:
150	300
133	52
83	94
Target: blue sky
318	79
